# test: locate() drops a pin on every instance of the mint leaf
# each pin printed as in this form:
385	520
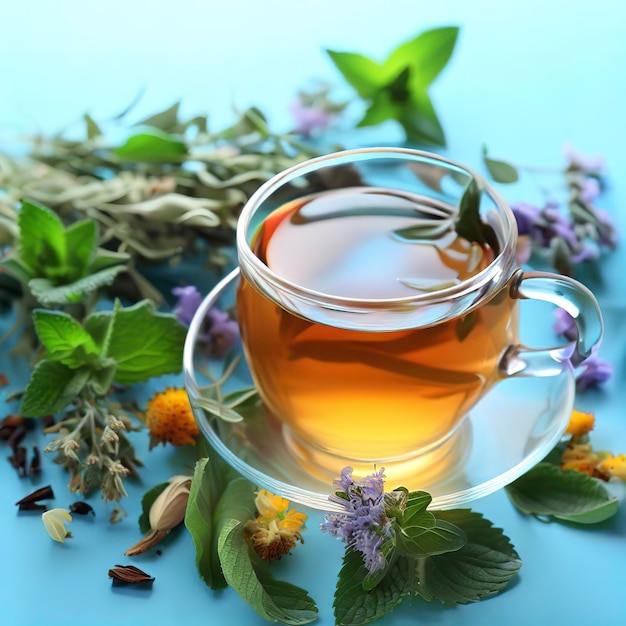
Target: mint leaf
146	504
420	122
355	605
397	88
144	343
101	376
153	147
42	247
481	568
52	387
62	335
441	538
250	577
563	494
500	171
209	482
49	294
414	520
363	73
81	238
381	109
106	258
469	224
199	523
426	55
243	569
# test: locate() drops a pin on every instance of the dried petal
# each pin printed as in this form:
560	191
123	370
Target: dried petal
54	522
130	575
117	515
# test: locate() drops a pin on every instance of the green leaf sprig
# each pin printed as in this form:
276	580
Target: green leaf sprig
220	504
78	366
397	88
455	556
60	265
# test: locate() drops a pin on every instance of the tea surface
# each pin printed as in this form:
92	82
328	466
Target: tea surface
347	243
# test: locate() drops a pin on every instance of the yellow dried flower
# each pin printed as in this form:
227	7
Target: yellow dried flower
580	423
170	418
275	530
614	466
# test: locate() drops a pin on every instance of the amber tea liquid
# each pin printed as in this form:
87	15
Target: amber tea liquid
368	396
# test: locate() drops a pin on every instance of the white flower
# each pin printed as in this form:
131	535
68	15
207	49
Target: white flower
54	522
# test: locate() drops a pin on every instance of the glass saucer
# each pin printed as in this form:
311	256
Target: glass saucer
510	430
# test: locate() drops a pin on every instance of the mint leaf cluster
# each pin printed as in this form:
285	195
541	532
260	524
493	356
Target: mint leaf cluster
125	345
58	264
397	88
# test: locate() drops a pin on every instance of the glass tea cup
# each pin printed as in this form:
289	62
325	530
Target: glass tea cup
373	318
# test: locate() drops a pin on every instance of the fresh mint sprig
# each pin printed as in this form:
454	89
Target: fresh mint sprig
397	88
397	548
60	265
125	345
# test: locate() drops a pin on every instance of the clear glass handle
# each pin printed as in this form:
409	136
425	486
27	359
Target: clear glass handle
569	295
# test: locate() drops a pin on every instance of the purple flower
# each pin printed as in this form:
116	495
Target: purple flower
364	526
593	372
526	215
189	299
590	189
565	325
222	333
309	119
585	252
607	233
588	164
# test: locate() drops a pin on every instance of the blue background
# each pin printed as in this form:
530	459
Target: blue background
526	78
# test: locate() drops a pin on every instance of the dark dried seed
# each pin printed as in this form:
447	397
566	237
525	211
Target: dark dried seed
12	420
44	493
35	462
130	575
17	435
32	506
4	381
18	460
82	508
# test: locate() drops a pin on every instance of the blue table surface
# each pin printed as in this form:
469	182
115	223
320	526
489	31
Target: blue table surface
526	78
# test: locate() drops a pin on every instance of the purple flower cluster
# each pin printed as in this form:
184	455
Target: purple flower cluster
592	372
545	226
364	526
222	332
575	238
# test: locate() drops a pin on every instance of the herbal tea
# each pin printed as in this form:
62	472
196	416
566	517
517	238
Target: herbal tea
369	395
